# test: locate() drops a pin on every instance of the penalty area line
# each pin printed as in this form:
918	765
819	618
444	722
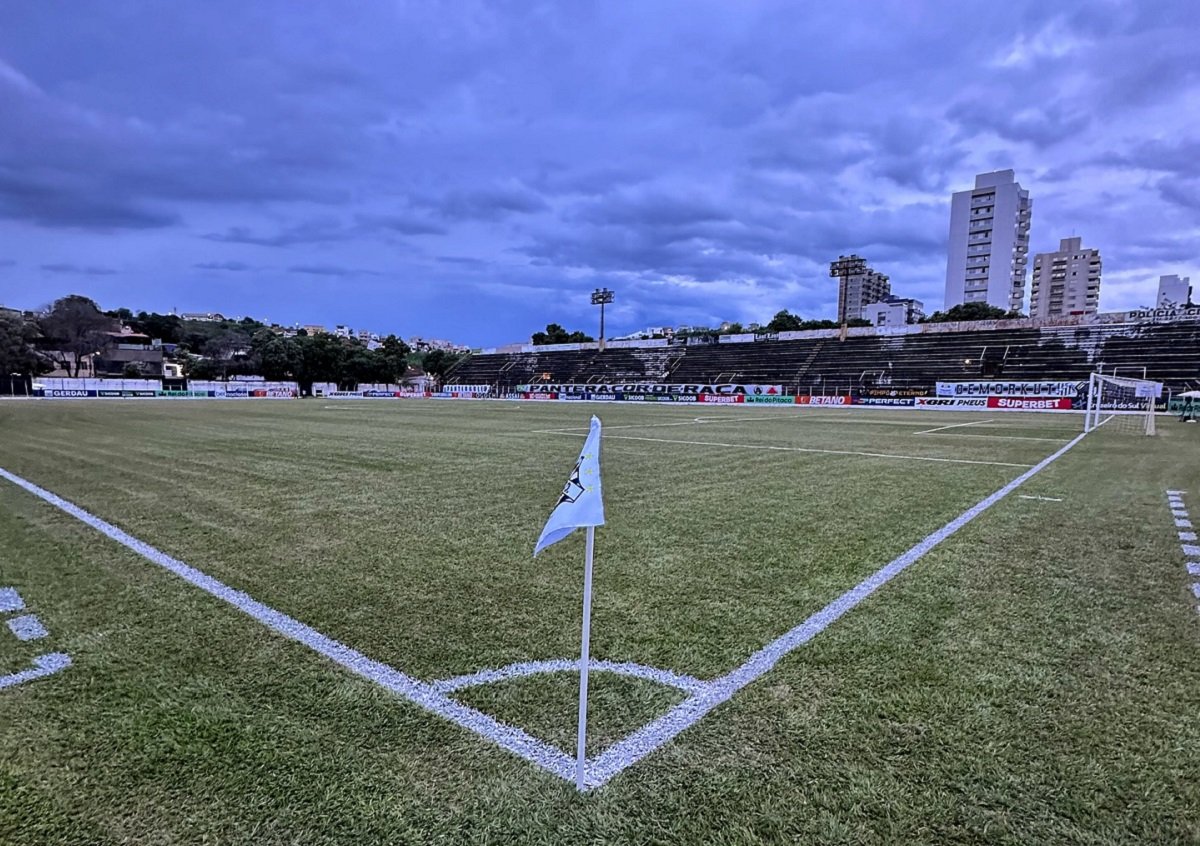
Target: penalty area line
954	426
802	449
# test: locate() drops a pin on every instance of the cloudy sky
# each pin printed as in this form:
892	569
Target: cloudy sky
473	170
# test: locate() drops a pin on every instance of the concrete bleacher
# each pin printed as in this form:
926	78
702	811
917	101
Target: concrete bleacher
1167	352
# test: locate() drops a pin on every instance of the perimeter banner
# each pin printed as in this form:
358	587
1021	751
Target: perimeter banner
1009	389
688	389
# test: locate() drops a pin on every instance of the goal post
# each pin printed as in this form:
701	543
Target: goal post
1121	404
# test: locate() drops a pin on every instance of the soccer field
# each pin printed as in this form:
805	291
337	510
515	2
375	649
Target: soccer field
295	652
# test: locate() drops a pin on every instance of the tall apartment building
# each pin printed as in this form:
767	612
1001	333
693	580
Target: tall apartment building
1174	291
989	242
858	289
1065	282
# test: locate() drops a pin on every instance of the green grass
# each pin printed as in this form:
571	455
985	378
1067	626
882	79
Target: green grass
1036	678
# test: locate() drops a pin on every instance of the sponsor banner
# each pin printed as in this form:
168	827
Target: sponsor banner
892	401
1148	389
125	393
680	398
1031	403
502	396
343	395
831	400
895	392
1165	315
605	397
1009	389
721	399
68	393
770	400
724	388
531	396
950	402
574	396
468	389
380	394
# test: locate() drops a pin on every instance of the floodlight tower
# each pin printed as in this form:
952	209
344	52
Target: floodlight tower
602	297
842	269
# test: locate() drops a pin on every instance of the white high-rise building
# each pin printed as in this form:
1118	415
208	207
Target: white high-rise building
1065	282
989	242
1174	291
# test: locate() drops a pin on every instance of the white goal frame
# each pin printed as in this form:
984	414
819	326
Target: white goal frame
1144	389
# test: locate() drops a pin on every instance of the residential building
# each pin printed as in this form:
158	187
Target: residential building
1066	281
343	331
860	289
989	243
203	316
314	329
124	352
894	311
1174	291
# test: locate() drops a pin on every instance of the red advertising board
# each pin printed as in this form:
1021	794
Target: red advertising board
833	400
1030	403
540	396
721	399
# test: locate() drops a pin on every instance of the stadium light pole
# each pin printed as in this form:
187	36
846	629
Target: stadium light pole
842	270
602	297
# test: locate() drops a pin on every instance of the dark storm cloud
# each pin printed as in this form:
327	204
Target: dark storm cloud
90	270
233	266
330	270
706	159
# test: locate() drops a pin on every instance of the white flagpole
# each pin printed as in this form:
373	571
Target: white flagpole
585	655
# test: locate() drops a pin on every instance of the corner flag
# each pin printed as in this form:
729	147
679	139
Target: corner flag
581	503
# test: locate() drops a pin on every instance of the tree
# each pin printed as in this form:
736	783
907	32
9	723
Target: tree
784	321
437	363
18	355
971	311
555	334
395	355
76	328
165	327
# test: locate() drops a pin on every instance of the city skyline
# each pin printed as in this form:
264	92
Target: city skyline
474	173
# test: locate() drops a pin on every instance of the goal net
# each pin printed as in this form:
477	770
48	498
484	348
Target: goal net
1121	405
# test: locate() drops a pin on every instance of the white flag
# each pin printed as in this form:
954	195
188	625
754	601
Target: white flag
581	503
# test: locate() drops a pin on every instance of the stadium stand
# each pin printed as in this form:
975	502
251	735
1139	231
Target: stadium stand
1165	352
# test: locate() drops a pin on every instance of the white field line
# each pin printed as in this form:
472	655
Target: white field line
1180	513
1000	437
1040	498
564	665
953	426
425	695
645	740
800	449
27	627
43	665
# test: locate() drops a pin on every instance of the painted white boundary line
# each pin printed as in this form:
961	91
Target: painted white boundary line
1180	513
801	449
645	740
685	683
1040	498
512	739
27	627
43	665
953	426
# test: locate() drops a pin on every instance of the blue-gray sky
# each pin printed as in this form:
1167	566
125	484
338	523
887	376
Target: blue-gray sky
473	169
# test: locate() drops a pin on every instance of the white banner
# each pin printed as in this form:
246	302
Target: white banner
1009	389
